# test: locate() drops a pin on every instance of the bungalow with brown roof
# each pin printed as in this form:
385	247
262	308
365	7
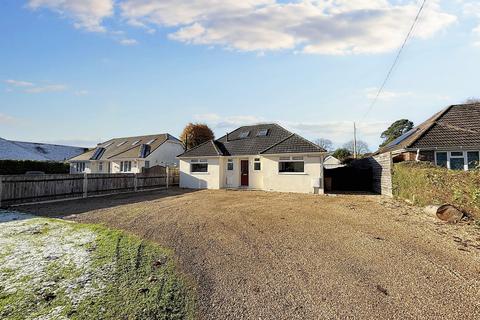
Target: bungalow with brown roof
129	154
263	157
450	138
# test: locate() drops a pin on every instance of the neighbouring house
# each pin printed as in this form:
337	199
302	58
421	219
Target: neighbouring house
331	162
263	157
129	155
451	139
19	150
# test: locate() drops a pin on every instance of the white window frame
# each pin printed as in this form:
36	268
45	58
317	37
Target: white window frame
291	159
80	166
100	166
198	161
230	162
255	161
123	166
464	156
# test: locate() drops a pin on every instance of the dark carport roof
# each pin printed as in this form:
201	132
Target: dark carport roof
248	140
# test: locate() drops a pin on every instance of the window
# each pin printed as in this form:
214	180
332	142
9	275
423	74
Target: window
80	166
256	164
199	165
457	163
125	166
147	164
121	143
230	164
100	166
441	159
244	134
473	160
135	142
262	133
458	160
291	165
151	141
108	144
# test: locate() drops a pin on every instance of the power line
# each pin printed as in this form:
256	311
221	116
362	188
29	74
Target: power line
390	71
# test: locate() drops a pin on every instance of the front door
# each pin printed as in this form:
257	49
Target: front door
244	172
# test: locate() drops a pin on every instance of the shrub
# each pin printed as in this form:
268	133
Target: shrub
20	167
426	184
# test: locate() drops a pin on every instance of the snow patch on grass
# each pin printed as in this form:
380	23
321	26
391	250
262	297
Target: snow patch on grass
47	259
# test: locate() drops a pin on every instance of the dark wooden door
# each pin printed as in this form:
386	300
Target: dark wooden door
244	172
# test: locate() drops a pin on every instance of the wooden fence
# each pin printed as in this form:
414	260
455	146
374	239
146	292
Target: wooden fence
381	166
17	189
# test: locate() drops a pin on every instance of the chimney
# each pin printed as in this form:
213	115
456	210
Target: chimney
227	136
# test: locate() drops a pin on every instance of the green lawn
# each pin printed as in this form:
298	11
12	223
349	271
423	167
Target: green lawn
52	269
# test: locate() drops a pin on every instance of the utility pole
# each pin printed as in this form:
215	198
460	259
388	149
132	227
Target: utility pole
354	141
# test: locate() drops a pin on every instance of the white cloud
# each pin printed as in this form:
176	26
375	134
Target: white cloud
128	42
320	27
81	92
386	95
473	9
47	88
229	122
87	14
30	87
6	119
18	83
337	131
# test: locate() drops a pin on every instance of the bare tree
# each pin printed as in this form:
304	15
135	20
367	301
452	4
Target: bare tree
362	147
326	144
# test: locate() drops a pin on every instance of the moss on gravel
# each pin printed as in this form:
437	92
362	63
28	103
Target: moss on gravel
126	278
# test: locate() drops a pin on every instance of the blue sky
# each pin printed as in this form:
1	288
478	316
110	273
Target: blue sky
79	72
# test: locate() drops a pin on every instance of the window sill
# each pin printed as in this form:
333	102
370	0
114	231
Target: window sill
293	174
199	173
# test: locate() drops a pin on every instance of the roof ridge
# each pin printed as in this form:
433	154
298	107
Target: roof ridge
277	143
433	122
215	147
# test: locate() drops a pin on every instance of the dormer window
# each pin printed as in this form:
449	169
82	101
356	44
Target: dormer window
135	142
244	134
262	133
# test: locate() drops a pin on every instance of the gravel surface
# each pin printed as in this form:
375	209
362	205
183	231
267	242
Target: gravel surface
259	255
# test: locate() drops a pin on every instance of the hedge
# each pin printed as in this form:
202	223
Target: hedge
425	184
20	167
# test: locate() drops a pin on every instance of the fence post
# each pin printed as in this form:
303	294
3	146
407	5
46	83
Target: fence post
135	182
168	177
85	184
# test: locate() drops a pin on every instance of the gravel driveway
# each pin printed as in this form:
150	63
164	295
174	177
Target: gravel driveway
259	255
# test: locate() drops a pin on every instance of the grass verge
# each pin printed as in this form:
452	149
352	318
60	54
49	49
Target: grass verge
120	276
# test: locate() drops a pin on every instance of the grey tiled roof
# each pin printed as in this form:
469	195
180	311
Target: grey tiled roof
455	127
277	140
293	144
123	148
